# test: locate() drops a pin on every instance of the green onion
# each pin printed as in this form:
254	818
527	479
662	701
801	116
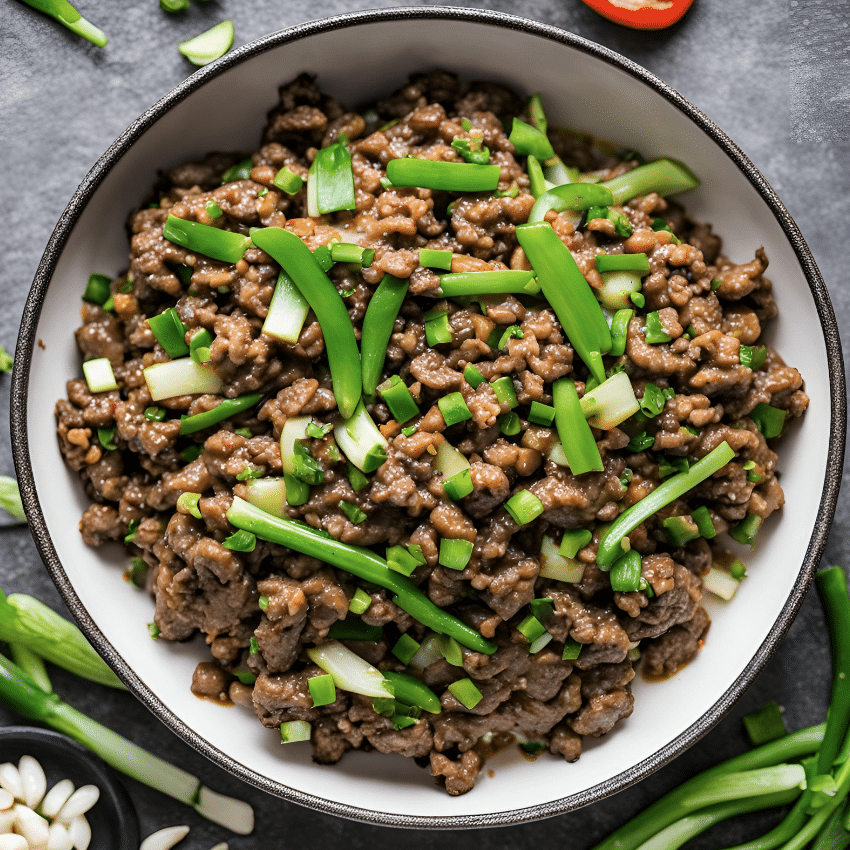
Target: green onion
330	184
569	293
21	694
705	525
199	346
360	602
638	299
617	289
737	570
361	441
209	45
580	448
769	420
437	328
451	650
454	409
136	573
443	176
298	262
353	628
499	282
531	628
97	289
655	332
572	650
716	284
292	731
745	531
509	423
537	181
620	331
155	414
541	414
465	692
664	176
288	181
305	467
270	494
317	431
459	485
655	399
378	323
353	512
322	256
524	507
348	252
610	547
106	437
432	258
229	407
765	725
573	540
188	504
472	150
511	332
411	691
68	16
569	197
558	564
294	430
405	648
240	541
536	113
213	209
359	561
504	390
287	311
529	140
680	530
31	664
611	403
191	453
455	554
239	171
622	263
721	583
349	671
169	332
322	690
356	478
625	572
472	376
99	375
205	239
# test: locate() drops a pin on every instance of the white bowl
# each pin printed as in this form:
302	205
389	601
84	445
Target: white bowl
222	107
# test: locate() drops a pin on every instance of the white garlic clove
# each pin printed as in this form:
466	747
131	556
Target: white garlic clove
33	827
80	833
78	803
222	846
7	821
13	842
10	780
6	800
59	838
165	839
56	797
33	780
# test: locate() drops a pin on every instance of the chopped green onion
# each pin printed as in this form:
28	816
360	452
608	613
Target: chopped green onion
524	507
622	263
378	322
209	45
558	564
454	409
106	437
292	731
99	375
573	540
205	239
655	399
655	332
570	197
317	431
432	258
97	289
353	512
412	692
498	282
297	492
625	572
356	478
529	140
610	547
509	423
769	420
611	403
472	150
641	442
443	176
398	399
322	690
294	430
213	209
240	541
638	299
263	602
765	725
361	441
504	390
472	376
360	602
269	494
620	331
305	467
239	171
348	252
349	671
680	530
455	554
136	572
287	311
322	256
451	650
577	440
531	628
617	289
155	414
663	176
229	407
705	525
465	692
188	504
541	414
288	181
511	332
330	184
353	628
459	485
536	113
437	328
537	181
572	650
738	571
169	332
191	453
622	225
199	346
745	531
405	648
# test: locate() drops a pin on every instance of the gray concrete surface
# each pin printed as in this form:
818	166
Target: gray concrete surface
774	76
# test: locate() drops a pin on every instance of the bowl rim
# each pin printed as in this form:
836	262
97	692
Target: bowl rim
38	527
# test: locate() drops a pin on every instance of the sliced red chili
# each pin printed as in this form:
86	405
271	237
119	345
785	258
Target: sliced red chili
653	15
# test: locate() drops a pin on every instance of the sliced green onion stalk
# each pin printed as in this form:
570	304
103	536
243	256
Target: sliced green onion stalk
745	531
349	671
209	45
466	693
524	507
455	554
611	403
293	731
622	263
530	141
454	409
721	583
537	182
443	176
398	399
287	311
294	429
378	323
19	692
766	725
663	176
322	690
574	540
499	282
330	181
673	488
449	461
405	648
358	561
181	377
620	331
68	16
361	441
188	504
577	440
268	494
10	498
541	414
570	197
427	654
680	530
705	524
288	181
360	602
99	375
437	328
769	420
557	173
432	258
617	288
32	664
97	289
227	408
224	245
625	572
411	691
353	628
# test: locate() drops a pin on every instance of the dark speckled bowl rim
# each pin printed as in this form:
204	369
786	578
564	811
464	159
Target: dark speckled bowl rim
26	342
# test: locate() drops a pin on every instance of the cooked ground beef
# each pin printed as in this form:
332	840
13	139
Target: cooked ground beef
260	610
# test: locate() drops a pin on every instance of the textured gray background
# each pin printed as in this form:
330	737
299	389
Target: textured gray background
774	75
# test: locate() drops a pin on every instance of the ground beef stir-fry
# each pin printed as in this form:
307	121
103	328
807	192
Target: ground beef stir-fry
503	540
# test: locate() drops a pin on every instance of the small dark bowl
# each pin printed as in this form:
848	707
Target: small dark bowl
113	821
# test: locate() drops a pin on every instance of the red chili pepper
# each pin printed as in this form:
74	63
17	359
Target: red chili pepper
652	15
